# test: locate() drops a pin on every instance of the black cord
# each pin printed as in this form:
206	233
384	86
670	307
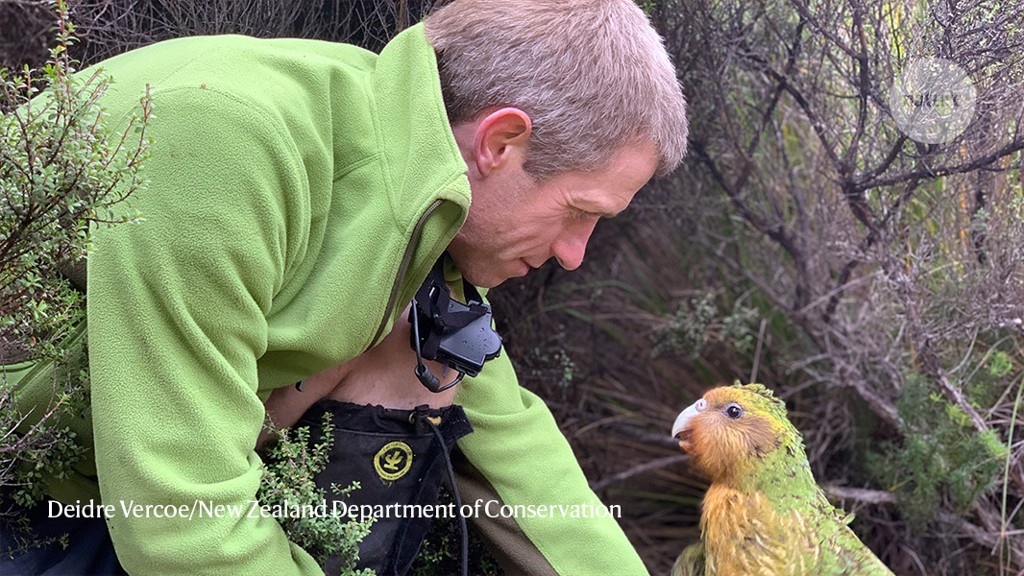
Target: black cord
464	556
416	339
423	373
454	382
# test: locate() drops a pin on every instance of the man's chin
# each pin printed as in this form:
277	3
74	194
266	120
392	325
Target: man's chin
489	283
490	276
486	281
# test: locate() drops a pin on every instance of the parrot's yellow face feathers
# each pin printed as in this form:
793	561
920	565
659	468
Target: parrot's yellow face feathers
730	428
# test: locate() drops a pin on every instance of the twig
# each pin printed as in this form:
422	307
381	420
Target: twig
988	536
862	495
639	469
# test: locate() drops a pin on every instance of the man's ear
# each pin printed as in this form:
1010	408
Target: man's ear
501	137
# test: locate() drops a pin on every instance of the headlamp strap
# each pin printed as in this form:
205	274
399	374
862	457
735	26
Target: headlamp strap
433	298
433	317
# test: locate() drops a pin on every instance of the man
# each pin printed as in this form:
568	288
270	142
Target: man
300	193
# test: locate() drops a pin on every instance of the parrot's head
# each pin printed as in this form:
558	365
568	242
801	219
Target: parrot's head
732	428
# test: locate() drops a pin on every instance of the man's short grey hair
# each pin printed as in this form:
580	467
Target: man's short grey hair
593	75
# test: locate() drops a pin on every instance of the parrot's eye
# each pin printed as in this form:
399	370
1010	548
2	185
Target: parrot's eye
733	411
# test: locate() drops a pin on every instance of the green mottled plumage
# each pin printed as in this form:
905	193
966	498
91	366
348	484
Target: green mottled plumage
763	514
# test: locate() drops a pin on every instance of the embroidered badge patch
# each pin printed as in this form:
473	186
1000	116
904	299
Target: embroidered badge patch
393	460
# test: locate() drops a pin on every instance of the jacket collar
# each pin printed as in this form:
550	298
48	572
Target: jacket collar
423	168
420	151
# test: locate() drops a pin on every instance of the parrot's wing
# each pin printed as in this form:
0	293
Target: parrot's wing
856	558
690	562
838	548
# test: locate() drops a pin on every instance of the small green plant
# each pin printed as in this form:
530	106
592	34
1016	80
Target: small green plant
564	366
440	553
291	463
61	171
555	364
47	450
942	460
989	382
698	321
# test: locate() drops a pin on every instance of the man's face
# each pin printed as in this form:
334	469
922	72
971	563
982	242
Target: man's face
515	224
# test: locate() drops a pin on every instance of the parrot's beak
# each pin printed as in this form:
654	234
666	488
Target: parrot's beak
683	420
682	424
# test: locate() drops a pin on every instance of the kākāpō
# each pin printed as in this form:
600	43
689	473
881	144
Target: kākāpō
763	514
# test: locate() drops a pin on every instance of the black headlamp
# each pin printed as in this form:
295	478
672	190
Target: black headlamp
457	335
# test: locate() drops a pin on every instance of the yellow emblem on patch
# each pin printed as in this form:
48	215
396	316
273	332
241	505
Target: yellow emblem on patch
393	460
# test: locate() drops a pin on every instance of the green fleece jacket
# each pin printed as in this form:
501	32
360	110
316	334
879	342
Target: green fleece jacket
299	193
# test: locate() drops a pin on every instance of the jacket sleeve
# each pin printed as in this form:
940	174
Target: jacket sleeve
535	504
177	308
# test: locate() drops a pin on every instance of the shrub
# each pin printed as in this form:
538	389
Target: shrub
61	171
290	466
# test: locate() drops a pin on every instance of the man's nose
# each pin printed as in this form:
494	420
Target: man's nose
570	248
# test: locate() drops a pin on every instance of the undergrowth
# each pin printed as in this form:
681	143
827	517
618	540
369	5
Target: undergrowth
291	463
942	461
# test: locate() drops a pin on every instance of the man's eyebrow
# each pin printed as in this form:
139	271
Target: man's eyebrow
596	209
